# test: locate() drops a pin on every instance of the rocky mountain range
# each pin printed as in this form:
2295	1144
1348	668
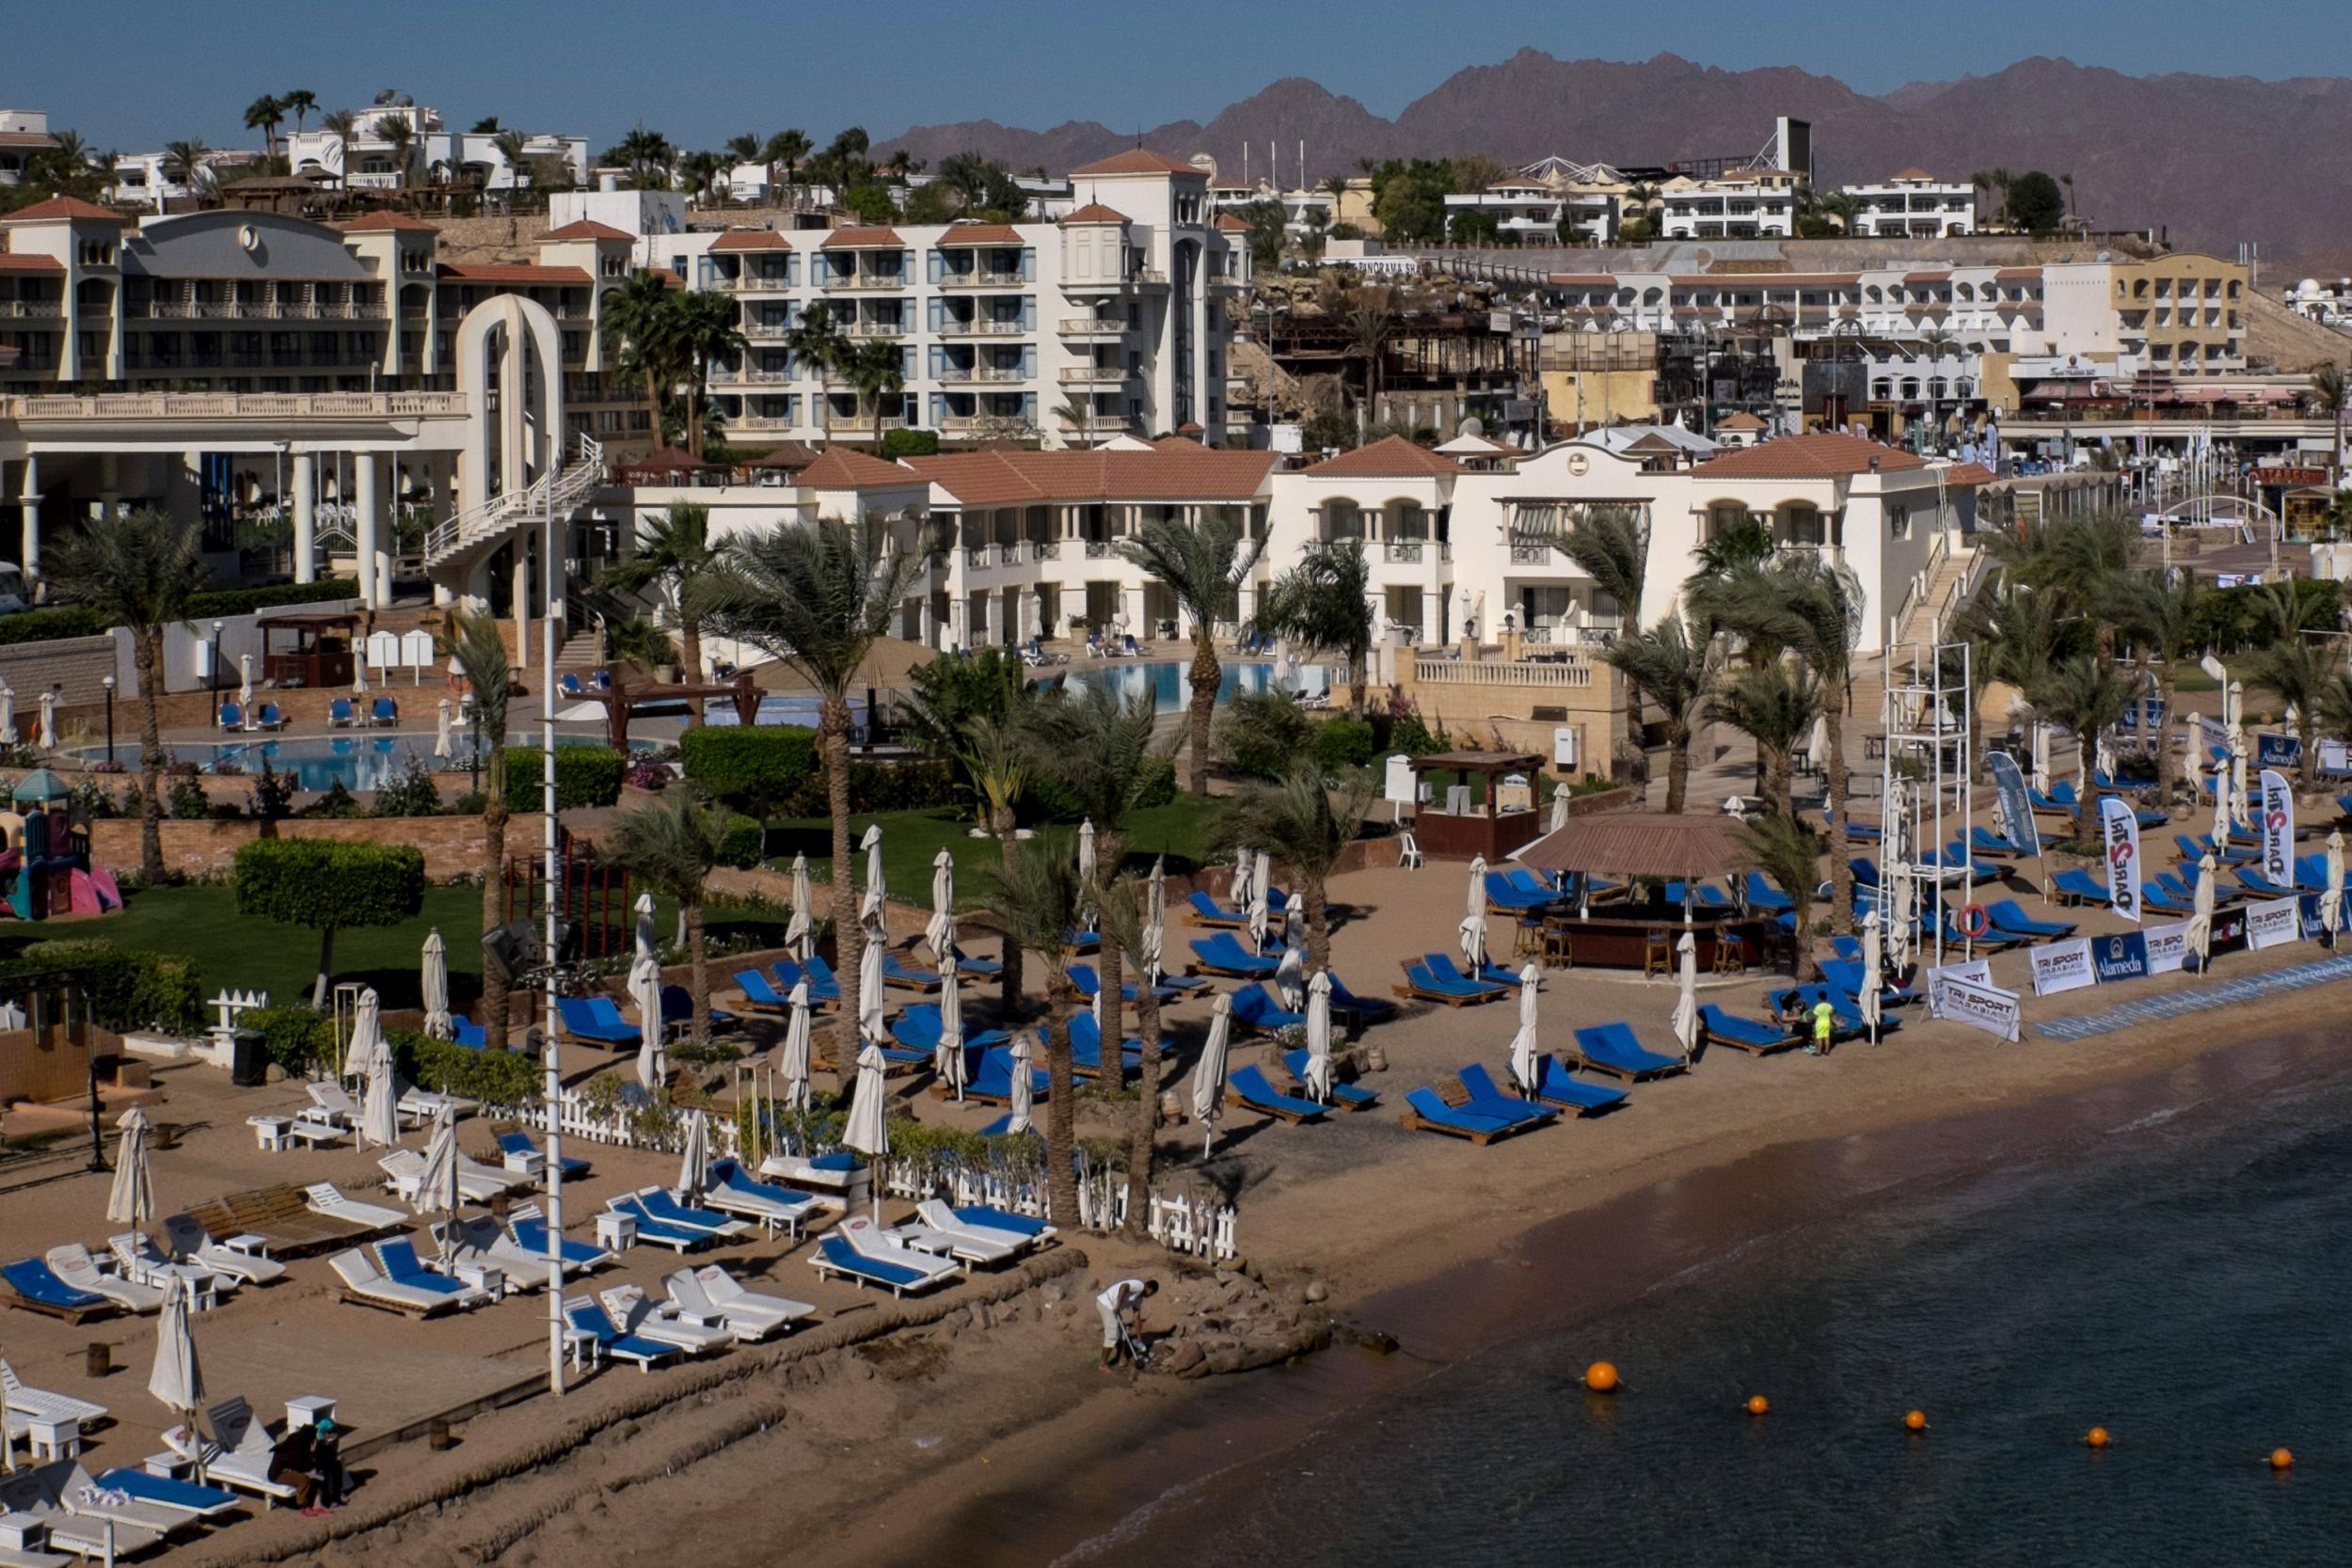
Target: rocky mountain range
2213	160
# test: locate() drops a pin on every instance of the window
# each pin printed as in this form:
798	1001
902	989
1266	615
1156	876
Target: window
1899	522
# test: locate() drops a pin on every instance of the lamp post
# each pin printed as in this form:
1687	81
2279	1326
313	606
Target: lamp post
218	627
108	682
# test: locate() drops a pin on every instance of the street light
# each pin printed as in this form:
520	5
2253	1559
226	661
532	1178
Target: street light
108	682
218	627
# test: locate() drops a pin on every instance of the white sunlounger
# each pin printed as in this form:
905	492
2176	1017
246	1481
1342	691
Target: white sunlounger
74	1265
937	1216
638	1313
82	1496
419	1106
480	1240
334	1104
961	1245
872	1241
41	1404
84	1537
187	1242
365	1283
139	1259
406	1168
239	1454
710	1294
325	1198
744	1198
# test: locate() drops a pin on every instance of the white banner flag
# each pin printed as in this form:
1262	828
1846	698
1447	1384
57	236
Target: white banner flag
2062	966
2118	825
2168	944
2278	826
2273	923
1996	1011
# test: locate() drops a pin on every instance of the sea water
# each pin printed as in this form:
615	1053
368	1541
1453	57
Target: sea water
2185	1281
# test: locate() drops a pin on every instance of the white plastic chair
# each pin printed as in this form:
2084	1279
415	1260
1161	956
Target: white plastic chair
1408	852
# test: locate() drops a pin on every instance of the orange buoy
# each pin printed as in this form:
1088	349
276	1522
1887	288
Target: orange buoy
1758	1405
2282	1459
1914	1420
2096	1437
1601	1378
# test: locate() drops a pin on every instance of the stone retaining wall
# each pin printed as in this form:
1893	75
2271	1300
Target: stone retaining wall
451	845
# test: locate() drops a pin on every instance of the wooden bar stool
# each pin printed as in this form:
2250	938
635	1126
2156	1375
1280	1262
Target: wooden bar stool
1657	952
1730	953
1559	947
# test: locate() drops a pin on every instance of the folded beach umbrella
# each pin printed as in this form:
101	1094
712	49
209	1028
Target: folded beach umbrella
1087	869
2331	902
1024	1090
1155	922
1902	923
644	988
800	936
177	1381
1686	1020
1559	809
48	720
870	912
1319	1035
244	679
648	944
2224	808
1294	918
444	746
7	714
1258	912
131	1200
1473	941
2200	923
1478	886
795	1062
1245	866
437	1188
868	1130
693	1164
1208	1074
433	981
372	1055
947	1055
1524	1068
1873	977
941	931
1290	976
870	1008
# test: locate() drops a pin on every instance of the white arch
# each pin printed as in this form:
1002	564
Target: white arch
517	433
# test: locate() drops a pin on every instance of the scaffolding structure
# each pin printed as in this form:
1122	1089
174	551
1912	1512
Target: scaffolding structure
1928	786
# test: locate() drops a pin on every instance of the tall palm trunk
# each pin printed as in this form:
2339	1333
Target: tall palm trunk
1206	675
1061	1173
1359	671
1312	894
1678	771
1146	1120
848	937
1109	849
2164	690
494	987
1000	822
150	658
1779	787
2307	736
698	975
1840	866
1634	733
690	636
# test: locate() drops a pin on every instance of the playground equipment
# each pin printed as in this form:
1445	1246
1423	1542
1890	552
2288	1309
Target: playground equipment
45	868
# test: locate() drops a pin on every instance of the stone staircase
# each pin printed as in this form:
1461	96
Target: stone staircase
1930	612
478	530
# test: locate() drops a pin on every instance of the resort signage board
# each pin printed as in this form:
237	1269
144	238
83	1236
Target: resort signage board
2211	737
1977	972
2167	945
2121	956
2273	923
2015	804
2119	826
1397	782
1996	1011
2062	966
2278	826
2277	750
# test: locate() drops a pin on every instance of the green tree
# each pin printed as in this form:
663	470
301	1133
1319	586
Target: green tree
2159	618
1202	563
137	570
514	150
815	597
299	103
1325	602
187	162
1675	671
1774	707
2331	391
1610	546
2035	203
1309	824
788	148
672	847
2080	696
1125	907
637	313
1034	906
343	125
995	755
876	371
329	887
1823	610
1785	851
400	136
674	555
818	345
474	642
2295	668
707	330
266	113
1260	733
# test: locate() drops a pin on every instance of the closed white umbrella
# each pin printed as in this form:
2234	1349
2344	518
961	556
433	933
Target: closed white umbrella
1525	1067
1262	876
1902	922
131	1200
1873	976
800	936
644	988
1477	886
436	1189
693	1164
1257	918
358	675
941	931
372	1054
1319	1035
2331	903
1290	976
2224	808
1295	919
1087	867
1208	1074
177	1381
2200	923
1558	808
947	1055
7	714
444	742
1024	1089
2237	749
245	678
1245	870
795	1064
1686	1018
648	943
868	1130
870	1008
433	980
48	736
1473	941
877	889
1155	921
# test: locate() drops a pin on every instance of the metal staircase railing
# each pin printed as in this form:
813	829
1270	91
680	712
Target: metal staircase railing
555	493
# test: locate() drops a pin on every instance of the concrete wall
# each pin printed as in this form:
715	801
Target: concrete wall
79	664
451	845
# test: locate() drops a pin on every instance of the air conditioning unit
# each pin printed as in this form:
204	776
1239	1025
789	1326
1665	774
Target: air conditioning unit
1563	747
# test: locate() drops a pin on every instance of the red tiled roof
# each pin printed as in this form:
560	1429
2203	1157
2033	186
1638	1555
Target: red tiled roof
508	271
1390	457
588	229
1823	454
1136	160
981	233
1968	473
1740	420
1094	212
374	223
666	460
1914	174
843	239
1228	224
26	138
13	262
790	457
1175	472
752	238
840	468
1936	276
2018	275
65	207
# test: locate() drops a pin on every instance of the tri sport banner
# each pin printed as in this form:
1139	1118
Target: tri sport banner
2278	826
1996	1011
1977	972
2062	966
2014	805
2118	826
2167	945
2121	956
2272	923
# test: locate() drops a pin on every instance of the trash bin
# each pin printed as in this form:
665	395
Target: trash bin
249	1064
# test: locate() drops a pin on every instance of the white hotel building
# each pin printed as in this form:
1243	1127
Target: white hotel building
1913	205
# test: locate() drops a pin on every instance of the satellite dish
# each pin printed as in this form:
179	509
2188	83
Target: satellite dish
1471	425
1205	164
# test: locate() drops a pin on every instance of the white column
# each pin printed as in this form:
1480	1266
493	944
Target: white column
928	629
369	506
522	605
306	553
31	510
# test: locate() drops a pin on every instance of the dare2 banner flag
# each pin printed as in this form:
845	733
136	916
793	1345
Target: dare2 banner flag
2118	826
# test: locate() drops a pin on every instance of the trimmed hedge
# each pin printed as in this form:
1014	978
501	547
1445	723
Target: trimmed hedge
129	989
55	622
749	768
329	886
51	625
874	786
742	846
301	1041
1343	743
584	776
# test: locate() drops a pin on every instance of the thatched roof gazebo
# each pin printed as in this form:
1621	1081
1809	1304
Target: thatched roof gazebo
1640	844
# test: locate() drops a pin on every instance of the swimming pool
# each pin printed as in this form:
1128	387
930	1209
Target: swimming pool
359	762
1170	683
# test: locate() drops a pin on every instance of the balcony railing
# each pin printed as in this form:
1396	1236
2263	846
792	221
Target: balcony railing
763	421
1405	550
32	309
233	405
982	372
1095	372
755	378
987	328
751	283
1045	550
978	556
191	309
970	424
982	280
1101	549
1468	672
1531	553
1092	326
765	329
877	329
869	280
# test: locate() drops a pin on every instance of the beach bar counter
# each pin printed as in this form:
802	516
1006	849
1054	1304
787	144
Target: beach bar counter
1655	848
1467	832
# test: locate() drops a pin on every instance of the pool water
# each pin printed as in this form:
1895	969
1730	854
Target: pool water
358	762
1170	683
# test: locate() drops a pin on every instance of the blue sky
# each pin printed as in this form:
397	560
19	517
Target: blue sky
134	74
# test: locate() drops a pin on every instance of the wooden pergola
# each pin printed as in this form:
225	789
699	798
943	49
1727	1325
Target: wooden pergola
622	702
1493	835
321	653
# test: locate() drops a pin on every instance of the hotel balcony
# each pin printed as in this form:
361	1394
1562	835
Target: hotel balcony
183	309
1100	375
767	329
1093	327
750	283
982	327
981	424
868	281
956	375
982	281
875	329
753	377
31	309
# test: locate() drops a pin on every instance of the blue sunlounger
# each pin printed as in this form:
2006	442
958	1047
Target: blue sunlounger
985	969
1221	954
1763	896
2009	920
1846	974
1255	1009
1449	985
1488	1099
989	1076
898	972
181	1496
1362	1010
584	1019
38	1289
1503	895
677	1007
2080	886
530	1234
590	1321
1345	1097
1556	1086
1613	1049
1744	1034
519	1142
834	1255
1088	982
1247	1087
1085	1048
1433	1115
919	1027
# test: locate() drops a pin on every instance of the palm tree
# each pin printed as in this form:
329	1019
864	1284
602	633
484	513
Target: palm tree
1675	671
298	101
1774	707
994	754
745	148
1369	323
1124	909
481	656
266	114
2079	694
400	136
186	163
2159	617
673	558
1785	851
137	570
1034	907
638	312
1610	546
2335	705
1093	748
1309	823
672	847
707	330
703	173
1842	205
1823	607
2295	667
2330	390
817	344
2077	562
876	370
815	597
343	125
1203	565
513	150
788	148
1324	604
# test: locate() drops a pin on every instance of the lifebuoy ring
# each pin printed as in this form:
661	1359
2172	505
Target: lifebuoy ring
1975	921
